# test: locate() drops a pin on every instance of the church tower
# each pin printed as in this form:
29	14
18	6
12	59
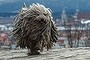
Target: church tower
63	16
77	11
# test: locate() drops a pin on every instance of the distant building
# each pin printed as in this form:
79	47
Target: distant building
83	15
4	39
63	17
6	27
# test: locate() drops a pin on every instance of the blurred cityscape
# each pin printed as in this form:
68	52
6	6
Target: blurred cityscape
73	30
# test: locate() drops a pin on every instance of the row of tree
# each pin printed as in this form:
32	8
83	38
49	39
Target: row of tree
77	34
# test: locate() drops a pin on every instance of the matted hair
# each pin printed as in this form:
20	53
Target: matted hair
34	29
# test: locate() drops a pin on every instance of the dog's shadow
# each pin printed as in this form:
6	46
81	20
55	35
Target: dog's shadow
31	56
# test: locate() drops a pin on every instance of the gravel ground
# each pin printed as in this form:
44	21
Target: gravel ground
54	54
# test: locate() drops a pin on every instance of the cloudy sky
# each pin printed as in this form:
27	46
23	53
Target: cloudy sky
55	5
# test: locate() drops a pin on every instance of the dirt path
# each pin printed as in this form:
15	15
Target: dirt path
54	54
